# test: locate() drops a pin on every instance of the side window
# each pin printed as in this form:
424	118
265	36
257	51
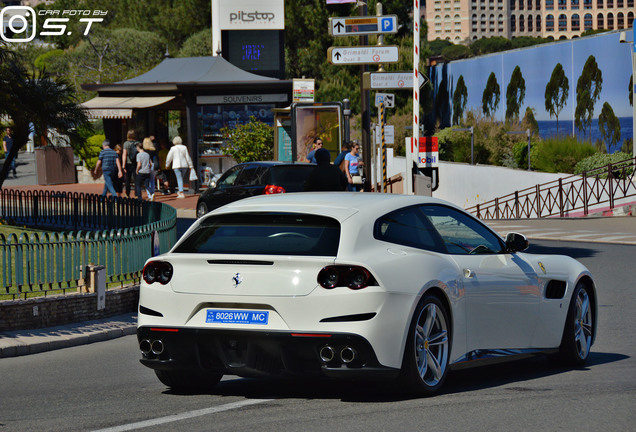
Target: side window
229	178
460	233
408	227
249	176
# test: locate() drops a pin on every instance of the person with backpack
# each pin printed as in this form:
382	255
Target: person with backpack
129	157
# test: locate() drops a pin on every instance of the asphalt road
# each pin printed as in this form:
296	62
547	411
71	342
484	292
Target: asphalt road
102	386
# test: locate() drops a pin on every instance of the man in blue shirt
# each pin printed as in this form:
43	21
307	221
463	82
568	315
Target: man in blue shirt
311	157
111	167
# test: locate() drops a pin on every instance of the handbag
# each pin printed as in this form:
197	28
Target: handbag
193	175
356	179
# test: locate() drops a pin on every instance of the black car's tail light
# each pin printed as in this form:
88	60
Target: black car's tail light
157	271
354	277
273	189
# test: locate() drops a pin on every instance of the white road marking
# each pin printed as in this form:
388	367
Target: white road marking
183	416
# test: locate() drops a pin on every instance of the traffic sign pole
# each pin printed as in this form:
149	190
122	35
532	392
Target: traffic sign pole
416	98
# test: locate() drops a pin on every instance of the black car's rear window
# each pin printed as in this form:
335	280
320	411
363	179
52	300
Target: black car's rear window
265	234
291	177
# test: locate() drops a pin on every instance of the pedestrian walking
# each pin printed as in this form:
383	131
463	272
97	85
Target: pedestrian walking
119	181
130	160
164	173
352	167
111	168
325	177
7	145
142	172
149	147
179	159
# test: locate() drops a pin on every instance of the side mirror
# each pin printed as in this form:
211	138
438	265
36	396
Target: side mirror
516	242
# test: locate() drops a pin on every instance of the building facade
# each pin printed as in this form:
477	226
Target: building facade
461	21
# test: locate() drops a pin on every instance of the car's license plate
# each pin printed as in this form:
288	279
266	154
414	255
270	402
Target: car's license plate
237	317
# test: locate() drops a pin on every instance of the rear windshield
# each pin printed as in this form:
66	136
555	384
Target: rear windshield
264	234
291	177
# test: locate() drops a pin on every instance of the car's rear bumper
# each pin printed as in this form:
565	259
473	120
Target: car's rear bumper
260	353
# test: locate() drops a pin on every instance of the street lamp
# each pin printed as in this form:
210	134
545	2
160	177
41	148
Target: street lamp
623	39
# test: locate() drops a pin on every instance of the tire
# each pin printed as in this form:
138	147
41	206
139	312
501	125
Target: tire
578	332
202	209
426	355
188	381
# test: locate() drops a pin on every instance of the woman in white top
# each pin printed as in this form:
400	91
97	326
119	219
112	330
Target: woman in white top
180	161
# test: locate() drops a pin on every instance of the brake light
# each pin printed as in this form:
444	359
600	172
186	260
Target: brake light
272	189
157	271
354	277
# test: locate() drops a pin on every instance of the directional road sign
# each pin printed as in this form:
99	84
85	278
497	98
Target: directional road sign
391	80
364	25
363	54
388	99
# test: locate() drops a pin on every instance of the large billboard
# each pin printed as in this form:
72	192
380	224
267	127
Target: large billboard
537	64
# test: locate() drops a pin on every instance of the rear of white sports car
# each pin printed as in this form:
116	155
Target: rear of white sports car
268	293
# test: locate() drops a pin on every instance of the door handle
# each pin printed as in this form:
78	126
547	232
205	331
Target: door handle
469	274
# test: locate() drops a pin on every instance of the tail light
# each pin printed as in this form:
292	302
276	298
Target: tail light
272	189
158	271
354	277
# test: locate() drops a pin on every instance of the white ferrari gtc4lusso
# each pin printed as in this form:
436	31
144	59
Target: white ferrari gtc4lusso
355	285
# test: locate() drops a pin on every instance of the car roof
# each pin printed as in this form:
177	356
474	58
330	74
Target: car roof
275	163
339	205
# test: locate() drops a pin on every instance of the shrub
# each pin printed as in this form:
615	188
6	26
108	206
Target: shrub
250	142
89	152
559	154
603	159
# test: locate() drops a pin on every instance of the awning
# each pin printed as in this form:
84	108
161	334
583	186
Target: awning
121	107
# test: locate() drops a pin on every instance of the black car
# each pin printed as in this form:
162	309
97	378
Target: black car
254	178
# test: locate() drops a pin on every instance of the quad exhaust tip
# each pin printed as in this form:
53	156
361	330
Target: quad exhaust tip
144	346
348	354
157	347
327	354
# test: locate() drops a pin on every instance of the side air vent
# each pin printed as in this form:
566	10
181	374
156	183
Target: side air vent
240	262
555	289
349	318
147	311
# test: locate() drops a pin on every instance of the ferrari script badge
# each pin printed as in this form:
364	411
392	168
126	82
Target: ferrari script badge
237	280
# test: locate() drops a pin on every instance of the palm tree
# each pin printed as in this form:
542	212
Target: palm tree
39	99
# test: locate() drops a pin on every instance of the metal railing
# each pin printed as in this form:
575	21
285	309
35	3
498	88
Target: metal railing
120	234
604	185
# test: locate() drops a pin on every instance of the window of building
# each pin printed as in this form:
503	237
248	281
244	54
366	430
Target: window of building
630	4
599	4
500	4
620	20
610	4
513	5
549	23
522	24
549	4
538	23
530	21
576	22
587	22
563	4
610	21
538	5
563	22
619	3
599	22
587	4
513	23
630	19
574	4
521	5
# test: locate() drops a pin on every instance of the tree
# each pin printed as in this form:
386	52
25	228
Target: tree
556	93
530	122
515	94
490	45
460	97
38	99
610	126
588	90
456	52
249	142
491	96
197	45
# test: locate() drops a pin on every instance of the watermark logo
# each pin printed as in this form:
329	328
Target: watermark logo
19	23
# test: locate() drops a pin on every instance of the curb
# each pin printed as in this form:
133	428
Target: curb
25	342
